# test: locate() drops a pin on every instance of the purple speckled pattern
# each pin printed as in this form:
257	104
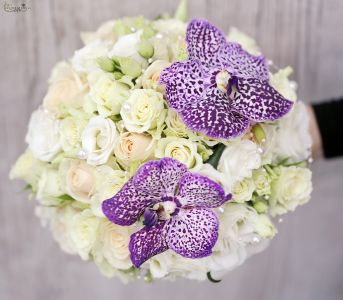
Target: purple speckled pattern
191	87
191	230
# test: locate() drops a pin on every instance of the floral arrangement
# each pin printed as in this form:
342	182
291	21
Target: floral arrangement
165	149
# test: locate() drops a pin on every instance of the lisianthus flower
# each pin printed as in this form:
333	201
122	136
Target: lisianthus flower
176	206
221	88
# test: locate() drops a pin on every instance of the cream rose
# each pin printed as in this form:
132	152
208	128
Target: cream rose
43	135
109	94
79	179
291	188
66	90
98	140
113	244
83	230
239	159
133	147
151	76
262	181
144	110
181	149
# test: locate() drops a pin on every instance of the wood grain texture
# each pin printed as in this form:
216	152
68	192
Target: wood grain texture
305	261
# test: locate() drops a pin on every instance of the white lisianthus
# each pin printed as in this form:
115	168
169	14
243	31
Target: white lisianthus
28	168
79	179
264	226
104	33
43	135
49	187
239	159
242	190
283	85
268	145
143	111
113	244
109	94
181	149
98	140
210	172
71	129
262	181
293	140
131	147
108	183
66	90
83	232
291	188
151	76
84	60
127	46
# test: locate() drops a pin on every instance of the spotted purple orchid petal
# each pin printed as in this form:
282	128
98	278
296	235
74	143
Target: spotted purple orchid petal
148	242
194	88
193	232
175	205
204	42
127	205
196	190
242	64
214	117
259	101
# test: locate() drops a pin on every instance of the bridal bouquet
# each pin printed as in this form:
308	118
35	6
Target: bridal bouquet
165	149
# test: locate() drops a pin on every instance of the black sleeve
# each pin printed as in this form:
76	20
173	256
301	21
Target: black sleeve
329	117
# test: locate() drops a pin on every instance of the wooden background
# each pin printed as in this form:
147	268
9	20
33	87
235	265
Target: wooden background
305	261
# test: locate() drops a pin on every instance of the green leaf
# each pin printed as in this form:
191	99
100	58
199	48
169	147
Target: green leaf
65	197
215	157
181	11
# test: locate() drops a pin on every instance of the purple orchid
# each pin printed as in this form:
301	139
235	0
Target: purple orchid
176	206
221	88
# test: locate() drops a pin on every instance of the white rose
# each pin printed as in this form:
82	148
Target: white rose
291	188
84	60
60	228
239	159
293	139
83	231
79	179
264	226
132	147
28	168
151	76
113	244
98	140
109	94
262	181
144	110
108	183
49	187
181	149
243	190
43	135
